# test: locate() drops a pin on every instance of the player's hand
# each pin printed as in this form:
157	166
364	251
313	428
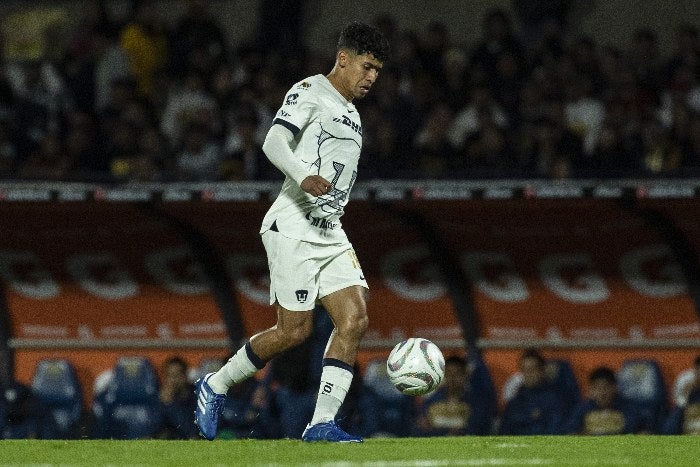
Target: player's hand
315	185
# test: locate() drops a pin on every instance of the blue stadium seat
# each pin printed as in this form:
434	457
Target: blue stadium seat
641	381
129	407
55	385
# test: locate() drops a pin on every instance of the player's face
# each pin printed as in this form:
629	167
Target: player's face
361	71
533	372
602	392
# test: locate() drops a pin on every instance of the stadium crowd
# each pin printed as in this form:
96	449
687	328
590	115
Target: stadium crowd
136	99
134	401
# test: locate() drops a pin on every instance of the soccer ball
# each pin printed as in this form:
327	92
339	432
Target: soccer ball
416	366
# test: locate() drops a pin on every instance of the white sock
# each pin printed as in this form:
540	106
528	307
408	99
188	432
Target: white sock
237	369
335	384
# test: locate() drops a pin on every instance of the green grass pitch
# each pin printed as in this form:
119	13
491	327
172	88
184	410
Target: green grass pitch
631	450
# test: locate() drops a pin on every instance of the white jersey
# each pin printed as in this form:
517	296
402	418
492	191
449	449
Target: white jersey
328	137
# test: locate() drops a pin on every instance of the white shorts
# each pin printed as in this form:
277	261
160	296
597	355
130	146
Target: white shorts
302	272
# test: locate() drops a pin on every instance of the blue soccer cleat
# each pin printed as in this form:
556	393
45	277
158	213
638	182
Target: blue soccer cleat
209	407
328	431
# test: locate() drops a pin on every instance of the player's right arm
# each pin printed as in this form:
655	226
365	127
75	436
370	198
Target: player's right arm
278	149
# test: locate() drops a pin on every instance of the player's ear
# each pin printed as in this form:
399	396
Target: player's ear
342	57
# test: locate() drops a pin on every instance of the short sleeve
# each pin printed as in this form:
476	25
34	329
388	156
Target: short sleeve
298	107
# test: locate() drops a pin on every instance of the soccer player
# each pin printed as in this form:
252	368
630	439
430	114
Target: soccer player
315	140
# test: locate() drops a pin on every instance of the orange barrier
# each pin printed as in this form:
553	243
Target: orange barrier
91	272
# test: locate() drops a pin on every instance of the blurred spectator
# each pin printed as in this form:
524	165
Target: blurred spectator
84	147
536	17
247	161
456	77
584	61
634	111
685	382
7	93
536	408
188	105
9	154
687	52
41	103
498	38
433	153
584	112
382	156
197	42
381	410
546	145
481	107
647	65
249	412
200	157
487	150
111	65
480	388
280	26
392	102
148	162
295	393
435	44
507	84
447	412
249	100
145	42
23	413
49	161
605	412
685	416
178	402
458	407
661	154
120	145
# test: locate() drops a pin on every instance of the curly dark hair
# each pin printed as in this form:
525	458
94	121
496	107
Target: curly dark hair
603	373
363	38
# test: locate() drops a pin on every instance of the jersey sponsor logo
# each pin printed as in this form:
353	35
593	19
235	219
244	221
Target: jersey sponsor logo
282	113
302	295
320	222
291	99
345	120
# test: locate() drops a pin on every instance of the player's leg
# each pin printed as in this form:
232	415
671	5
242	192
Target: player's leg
343	293
293	291
348	311
292	329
